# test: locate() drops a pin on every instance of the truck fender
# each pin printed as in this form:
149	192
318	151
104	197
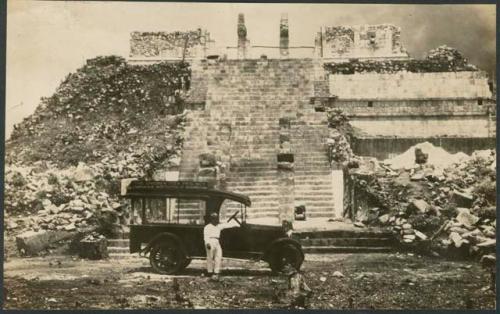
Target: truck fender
164	236
279	242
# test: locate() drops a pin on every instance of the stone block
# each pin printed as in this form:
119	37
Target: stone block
284	165
284	137
420	205
420	235
207	160
207	172
462	199
384	218
467	219
83	173
32	242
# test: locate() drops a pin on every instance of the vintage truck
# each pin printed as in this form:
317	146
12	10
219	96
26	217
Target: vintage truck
171	215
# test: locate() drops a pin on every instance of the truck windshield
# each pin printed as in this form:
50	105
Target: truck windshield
229	207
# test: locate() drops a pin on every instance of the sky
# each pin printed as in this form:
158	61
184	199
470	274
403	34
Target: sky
47	40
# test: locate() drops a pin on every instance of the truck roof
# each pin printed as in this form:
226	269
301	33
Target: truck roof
181	189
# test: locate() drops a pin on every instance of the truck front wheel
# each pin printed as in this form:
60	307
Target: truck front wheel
166	257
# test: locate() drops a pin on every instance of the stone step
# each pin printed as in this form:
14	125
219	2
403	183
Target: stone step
255	190
124	256
311	162
346	249
313	182
263	204
122	236
373	242
244	184
316	205
262	214
311	213
118	243
361	233
233	184
315	170
305	186
114	249
310	159
260	174
315	198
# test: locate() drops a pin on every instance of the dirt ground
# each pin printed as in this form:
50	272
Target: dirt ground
370	281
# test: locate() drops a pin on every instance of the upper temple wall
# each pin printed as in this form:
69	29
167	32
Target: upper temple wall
361	42
332	43
170	46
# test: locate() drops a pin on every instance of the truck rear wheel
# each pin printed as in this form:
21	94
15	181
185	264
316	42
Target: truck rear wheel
285	254
166	257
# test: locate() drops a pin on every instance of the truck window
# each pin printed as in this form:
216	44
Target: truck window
190	211
167	210
156	210
136	213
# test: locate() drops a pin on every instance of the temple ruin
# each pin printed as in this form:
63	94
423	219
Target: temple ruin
260	110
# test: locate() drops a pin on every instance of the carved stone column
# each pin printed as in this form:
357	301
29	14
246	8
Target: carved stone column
242	37
286	174
284	36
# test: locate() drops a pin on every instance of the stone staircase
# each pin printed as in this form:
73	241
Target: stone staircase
249	97
119	248
313	175
317	241
346	241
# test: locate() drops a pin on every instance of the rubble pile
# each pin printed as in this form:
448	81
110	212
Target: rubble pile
450	199
338	141
441	59
46	198
104	105
106	122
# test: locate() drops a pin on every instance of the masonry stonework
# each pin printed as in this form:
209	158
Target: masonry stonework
362	41
239	104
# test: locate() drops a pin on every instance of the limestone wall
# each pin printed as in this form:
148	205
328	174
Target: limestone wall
414	107
388	147
461	126
405	85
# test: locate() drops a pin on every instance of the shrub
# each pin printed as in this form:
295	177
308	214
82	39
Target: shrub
425	223
52	179
18	180
487	189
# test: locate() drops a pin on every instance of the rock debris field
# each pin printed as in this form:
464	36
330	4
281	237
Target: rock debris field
340	281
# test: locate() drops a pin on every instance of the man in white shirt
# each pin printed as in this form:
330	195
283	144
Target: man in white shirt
211	235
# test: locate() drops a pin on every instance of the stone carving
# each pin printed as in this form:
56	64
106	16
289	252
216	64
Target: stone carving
363	41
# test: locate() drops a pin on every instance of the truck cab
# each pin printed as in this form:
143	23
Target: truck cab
169	217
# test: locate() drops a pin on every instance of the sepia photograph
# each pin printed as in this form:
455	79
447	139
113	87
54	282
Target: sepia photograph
181	155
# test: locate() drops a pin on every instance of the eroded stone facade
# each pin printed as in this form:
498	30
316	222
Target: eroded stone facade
361	42
170	45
